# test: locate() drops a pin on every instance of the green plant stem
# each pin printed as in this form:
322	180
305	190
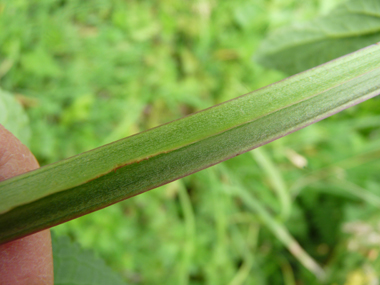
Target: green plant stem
79	185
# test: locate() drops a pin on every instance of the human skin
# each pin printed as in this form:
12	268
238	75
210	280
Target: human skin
28	260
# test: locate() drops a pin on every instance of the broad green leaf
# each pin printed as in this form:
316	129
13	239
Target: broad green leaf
13	117
349	27
73	187
75	266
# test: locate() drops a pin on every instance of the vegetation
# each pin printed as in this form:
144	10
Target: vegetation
88	74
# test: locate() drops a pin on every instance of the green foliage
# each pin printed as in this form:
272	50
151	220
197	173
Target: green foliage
118	75
13	117
75	266
349	27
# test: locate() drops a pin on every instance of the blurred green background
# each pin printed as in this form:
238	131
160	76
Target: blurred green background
91	72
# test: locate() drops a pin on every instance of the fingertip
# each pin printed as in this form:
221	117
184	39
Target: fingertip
15	157
28	260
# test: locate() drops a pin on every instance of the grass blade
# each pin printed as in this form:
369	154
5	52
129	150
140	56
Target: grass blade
276	181
73	187
282	234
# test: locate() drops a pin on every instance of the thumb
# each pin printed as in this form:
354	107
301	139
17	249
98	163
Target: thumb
27	260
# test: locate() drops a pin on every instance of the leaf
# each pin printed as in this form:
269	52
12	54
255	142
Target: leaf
76	186
349	27
13	117
75	266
